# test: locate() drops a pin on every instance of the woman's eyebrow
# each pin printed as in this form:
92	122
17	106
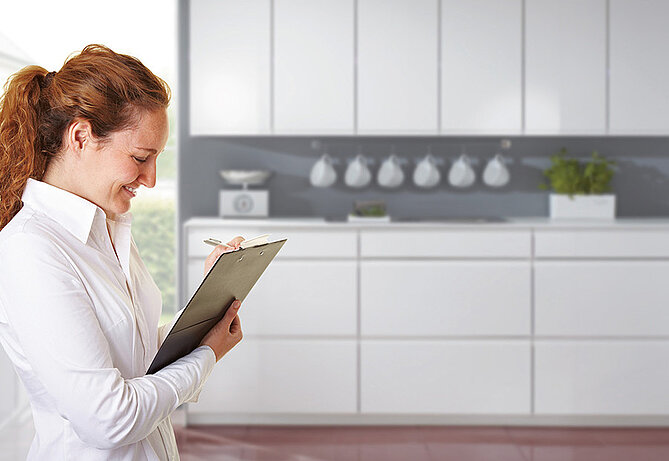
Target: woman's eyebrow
153	151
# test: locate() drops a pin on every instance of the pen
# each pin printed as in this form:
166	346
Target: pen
216	242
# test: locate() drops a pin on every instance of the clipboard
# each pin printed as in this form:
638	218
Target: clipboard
231	277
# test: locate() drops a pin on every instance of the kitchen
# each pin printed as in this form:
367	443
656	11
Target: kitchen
465	322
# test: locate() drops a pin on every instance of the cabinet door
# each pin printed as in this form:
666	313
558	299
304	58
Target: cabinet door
304	298
313	66
409	298
432	377
565	67
601	377
297	298
601	298
639	69
229	67
397	66
283	376
481	66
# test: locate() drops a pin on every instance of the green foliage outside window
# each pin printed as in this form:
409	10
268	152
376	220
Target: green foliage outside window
153	231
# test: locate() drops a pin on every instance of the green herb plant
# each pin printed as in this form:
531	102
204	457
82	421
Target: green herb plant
571	177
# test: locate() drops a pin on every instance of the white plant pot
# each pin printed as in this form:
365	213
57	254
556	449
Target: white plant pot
583	206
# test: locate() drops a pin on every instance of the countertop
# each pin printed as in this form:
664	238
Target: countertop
524	222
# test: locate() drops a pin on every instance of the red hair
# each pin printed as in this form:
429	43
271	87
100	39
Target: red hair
108	89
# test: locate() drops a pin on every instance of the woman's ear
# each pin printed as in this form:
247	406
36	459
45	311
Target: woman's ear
78	136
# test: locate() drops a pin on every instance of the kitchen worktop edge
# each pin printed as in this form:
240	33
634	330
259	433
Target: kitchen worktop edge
507	223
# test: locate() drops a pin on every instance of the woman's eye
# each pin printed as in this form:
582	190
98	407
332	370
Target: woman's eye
140	160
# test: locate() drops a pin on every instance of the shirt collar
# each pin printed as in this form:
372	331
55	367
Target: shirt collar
74	213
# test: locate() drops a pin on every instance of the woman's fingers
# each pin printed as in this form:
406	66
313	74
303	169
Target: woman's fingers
236	326
219	250
231	313
235	242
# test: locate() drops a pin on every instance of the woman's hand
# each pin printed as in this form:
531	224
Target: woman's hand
219	250
226	333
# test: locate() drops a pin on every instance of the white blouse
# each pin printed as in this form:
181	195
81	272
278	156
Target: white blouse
80	325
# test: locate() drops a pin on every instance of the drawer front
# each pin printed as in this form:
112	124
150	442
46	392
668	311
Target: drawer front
470	243
297	298
602	243
456	377
300	244
283	376
409	298
600	298
601	377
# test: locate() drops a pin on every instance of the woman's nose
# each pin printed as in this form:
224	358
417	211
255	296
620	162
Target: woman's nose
148	175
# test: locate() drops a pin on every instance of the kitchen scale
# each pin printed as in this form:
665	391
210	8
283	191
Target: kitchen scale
244	201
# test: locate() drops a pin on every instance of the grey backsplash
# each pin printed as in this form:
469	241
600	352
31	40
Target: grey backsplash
641	183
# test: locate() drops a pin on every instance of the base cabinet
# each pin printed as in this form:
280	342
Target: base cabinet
511	323
283	376
601	377
456	377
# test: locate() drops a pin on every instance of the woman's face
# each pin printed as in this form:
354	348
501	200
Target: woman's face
125	162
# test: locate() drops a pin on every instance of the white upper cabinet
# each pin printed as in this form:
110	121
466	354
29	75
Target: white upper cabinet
428	67
313	66
397	67
639	67
565	67
481	67
229	67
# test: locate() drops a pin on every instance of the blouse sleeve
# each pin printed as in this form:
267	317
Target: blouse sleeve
163	330
47	306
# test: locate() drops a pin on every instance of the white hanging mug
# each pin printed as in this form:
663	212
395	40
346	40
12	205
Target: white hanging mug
323	173
357	174
426	174
461	173
390	173
496	174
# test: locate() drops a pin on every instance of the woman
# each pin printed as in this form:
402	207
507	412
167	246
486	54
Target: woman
78	309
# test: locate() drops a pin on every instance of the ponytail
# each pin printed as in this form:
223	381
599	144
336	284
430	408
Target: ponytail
21	154
107	89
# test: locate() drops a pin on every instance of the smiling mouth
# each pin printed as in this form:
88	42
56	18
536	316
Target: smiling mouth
131	190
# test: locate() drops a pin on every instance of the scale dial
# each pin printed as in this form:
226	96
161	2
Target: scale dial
243	203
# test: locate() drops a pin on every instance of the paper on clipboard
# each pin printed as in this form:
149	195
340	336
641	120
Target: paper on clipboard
231	277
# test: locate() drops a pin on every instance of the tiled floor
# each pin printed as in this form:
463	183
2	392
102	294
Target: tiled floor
410	443
407	443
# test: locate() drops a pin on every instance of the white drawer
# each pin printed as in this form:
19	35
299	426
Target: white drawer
439	243
283	376
409	298
297	298
456	377
601	377
601	298
301	243
650	243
